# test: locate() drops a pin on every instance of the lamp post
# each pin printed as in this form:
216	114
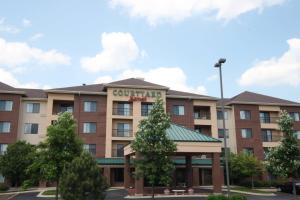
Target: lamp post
219	65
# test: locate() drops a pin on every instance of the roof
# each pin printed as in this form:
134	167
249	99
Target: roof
4	86
86	88
177	161
175	93
179	133
260	99
135	82
34	93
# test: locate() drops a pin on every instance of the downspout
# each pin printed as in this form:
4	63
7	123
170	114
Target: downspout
79	110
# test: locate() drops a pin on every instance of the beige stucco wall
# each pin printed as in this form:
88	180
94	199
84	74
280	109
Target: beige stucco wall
39	118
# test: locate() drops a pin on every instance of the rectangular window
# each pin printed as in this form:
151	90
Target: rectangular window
246	132
89	127
248	151
266	135
6	105
5	127
91	148
3	148
265	117
123	130
220	115
245	114
90	106
124	109
221	133
120	150
297	135
33	107
295	116
31	128
178	110
146	108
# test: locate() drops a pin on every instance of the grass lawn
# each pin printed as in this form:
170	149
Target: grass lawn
49	192
245	189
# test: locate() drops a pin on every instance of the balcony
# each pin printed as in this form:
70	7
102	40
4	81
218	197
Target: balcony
271	138
269	122
122	111
202	115
60	106
121	133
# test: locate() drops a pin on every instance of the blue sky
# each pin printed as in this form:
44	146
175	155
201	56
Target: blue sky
172	42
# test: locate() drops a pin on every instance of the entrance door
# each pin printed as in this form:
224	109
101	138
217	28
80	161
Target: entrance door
180	177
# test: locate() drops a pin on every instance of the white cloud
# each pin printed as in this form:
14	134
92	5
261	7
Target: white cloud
284	70
156	11
26	22
18	53
104	79
36	37
172	77
7	28
118	51
212	77
9	79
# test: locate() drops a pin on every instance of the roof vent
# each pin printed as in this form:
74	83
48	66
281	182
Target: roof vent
140	78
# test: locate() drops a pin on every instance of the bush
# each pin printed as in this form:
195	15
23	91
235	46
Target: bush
222	197
257	183
3	187
238	197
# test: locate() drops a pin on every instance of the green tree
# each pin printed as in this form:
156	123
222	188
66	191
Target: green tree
15	161
284	160
60	148
153	147
82	180
244	166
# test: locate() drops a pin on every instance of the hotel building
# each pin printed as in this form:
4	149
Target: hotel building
107	118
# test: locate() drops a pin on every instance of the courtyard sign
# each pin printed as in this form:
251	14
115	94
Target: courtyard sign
136	95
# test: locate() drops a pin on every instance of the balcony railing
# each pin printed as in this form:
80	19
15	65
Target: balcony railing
271	138
201	115
122	133
118	153
122	111
268	120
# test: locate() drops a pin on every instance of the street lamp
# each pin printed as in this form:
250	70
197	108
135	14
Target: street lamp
219	65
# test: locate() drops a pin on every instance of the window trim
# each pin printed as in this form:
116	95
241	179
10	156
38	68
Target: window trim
91	102
245	114
5	132
83	127
12	105
178	106
32	112
241	132
31	128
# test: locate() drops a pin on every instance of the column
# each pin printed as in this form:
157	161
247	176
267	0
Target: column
127	171
189	171
217	178
106	174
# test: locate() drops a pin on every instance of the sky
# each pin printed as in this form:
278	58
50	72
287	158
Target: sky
53	43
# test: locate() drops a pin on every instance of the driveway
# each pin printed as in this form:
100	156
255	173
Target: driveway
120	194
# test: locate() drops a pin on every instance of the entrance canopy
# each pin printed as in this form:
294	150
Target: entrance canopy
188	141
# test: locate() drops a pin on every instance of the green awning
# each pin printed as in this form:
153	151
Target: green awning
179	133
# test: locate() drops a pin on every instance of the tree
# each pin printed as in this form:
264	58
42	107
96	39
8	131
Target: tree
15	161
245	166
284	160
60	148
153	147
82	180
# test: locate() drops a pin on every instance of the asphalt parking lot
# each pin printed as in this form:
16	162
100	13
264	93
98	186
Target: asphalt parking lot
120	194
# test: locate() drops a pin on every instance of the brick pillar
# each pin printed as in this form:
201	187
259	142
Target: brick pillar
196	176
217	178
106	174
189	171
127	171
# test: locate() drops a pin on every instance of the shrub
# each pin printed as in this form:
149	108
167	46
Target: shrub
238	197
257	183
217	197
3	187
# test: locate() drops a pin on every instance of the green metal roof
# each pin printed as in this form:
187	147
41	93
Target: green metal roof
182	134
177	161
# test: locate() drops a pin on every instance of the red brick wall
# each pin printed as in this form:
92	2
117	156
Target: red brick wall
99	117
12	117
187	119
254	123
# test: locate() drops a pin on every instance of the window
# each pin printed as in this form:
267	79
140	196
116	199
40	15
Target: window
223	151
266	135
90	106
221	133
297	135
3	148
4	127
6	105
248	151
146	109
120	150
295	116
123	109
246	132
89	127
91	148
178	110
31	128
220	115
245	114
123	130
33	107
265	117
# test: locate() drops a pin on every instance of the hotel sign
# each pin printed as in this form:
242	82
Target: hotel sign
136	95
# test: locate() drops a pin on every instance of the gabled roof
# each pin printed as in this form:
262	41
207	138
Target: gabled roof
34	93
259	99
4	86
179	133
135	83
179	94
82	88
